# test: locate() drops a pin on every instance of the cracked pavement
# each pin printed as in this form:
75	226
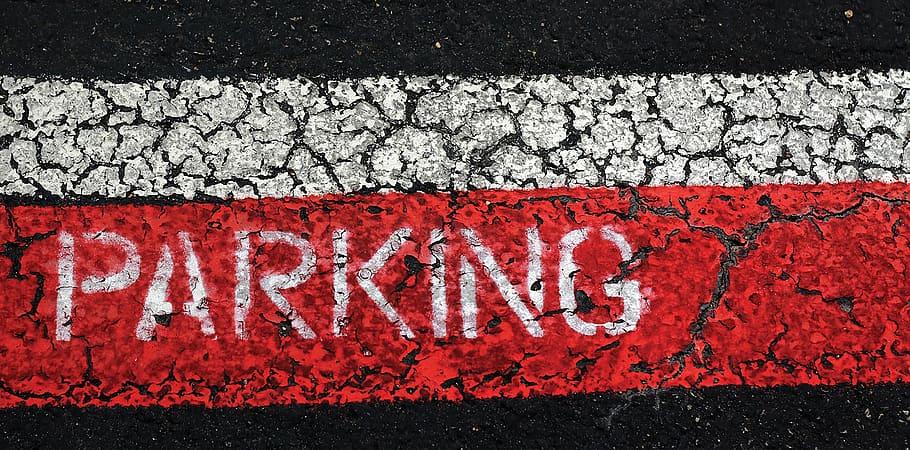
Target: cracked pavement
765	216
795	284
787	193
281	137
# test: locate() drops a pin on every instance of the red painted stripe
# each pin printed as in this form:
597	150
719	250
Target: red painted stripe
759	286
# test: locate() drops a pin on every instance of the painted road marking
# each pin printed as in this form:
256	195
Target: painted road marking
345	298
337	247
203	138
68	141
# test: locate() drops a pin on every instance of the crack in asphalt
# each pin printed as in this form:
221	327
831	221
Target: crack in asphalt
167	141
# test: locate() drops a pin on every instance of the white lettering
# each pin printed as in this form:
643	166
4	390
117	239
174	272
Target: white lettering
112	282
242	289
535	279
156	303
438	283
365	279
271	284
468	283
65	284
506	289
627	290
340	281
199	307
118	280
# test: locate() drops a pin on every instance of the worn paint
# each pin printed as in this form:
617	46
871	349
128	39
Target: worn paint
681	286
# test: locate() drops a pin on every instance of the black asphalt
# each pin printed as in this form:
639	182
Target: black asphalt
124	40
117	39
786	417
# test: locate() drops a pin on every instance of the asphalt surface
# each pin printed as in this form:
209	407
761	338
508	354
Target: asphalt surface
729	417
121	40
138	41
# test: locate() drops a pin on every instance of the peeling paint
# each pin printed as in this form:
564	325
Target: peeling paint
222	138
791	284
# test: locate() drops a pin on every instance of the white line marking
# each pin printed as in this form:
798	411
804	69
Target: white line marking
199	136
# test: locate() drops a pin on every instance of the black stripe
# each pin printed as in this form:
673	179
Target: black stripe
114	39
801	417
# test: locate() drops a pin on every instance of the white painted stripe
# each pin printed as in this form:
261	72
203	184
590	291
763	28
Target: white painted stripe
293	137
